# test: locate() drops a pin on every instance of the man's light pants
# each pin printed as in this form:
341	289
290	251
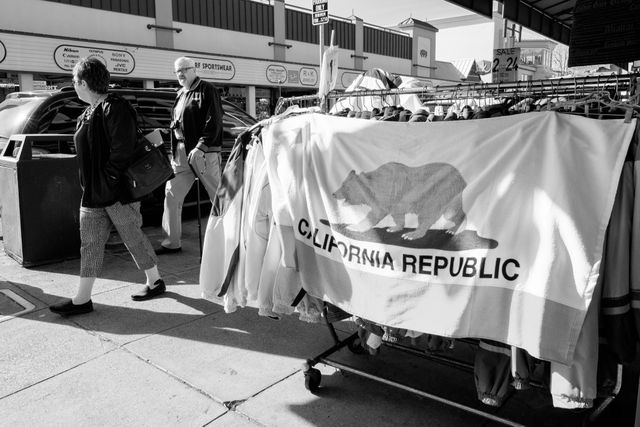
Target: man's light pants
208	170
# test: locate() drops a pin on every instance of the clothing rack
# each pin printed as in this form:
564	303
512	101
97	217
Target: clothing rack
623	88
616	91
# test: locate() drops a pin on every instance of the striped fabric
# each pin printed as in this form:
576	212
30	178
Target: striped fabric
95	226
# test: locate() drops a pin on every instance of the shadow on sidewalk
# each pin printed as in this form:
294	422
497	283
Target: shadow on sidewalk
195	319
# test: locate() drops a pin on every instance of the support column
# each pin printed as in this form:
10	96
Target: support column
25	80
279	31
358	51
164	19
251	101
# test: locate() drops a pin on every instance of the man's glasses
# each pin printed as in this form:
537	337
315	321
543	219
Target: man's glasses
76	82
183	70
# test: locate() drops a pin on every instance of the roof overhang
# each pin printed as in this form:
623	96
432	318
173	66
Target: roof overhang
551	18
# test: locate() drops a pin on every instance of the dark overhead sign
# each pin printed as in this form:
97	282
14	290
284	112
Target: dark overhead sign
483	7
605	32
320	12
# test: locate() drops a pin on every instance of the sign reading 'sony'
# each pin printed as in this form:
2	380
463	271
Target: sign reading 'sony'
476	228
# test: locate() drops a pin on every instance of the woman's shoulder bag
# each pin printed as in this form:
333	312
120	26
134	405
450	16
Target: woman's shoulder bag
149	168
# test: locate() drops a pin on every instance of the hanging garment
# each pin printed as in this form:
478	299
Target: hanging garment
221	251
492	372
620	312
574	384
425	231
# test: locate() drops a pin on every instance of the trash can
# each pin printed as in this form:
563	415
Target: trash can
40	200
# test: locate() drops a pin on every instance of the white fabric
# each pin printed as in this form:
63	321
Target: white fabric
535	192
377	79
328	71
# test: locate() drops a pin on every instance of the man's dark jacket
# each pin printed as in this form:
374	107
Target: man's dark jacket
201	118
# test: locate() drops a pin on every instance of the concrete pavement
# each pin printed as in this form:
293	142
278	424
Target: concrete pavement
180	360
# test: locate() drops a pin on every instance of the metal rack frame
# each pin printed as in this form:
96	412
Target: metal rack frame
624	87
313	377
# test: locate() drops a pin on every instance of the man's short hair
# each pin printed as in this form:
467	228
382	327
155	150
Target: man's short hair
185	60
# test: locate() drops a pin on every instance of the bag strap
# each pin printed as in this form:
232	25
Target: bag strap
134	113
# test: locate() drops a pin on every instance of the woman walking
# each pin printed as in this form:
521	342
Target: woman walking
105	140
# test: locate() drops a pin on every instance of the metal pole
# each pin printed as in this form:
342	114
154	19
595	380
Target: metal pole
321	42
199	220
195	173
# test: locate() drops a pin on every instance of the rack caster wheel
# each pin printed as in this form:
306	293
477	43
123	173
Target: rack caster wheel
355	347
312	378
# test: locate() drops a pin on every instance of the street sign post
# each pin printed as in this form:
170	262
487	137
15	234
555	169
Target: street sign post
505	65
320	12
320	17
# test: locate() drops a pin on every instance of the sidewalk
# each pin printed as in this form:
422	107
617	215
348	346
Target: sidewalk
180	360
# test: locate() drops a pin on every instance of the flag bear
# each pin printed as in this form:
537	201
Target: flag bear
429	191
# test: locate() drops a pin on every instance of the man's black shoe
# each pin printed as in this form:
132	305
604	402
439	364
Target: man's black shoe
164	250
68	308
148	293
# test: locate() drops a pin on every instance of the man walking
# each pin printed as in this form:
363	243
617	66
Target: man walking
196	144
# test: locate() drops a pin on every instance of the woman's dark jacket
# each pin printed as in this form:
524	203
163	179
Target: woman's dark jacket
105	151
201	119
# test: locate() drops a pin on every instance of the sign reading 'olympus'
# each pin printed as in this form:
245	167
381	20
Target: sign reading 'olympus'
116	61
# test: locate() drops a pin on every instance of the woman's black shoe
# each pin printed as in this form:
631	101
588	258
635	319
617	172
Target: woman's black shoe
165	251
68	308
148	293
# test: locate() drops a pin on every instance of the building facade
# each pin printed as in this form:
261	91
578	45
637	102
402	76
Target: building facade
254	51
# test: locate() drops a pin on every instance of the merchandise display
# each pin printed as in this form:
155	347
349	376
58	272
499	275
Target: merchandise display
509	229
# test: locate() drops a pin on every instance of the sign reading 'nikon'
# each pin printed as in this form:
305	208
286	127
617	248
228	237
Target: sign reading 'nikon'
117	61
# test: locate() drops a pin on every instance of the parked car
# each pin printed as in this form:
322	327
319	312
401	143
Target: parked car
56	111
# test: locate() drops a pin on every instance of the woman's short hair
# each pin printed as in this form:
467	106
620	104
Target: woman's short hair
94	72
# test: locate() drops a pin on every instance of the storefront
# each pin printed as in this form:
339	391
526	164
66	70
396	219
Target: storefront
33	62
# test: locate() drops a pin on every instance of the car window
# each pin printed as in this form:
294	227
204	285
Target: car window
13	114
237	116
61	116
153	112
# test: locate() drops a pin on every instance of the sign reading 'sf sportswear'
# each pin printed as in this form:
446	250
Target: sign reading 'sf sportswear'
218	69
489	229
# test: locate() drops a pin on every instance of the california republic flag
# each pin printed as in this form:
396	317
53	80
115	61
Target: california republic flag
484	228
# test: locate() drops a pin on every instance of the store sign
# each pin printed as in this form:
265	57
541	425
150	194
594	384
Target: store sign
347	78
605	32
505	65
117	61
276	74
308	76
320	12
3	52
218	69
293	77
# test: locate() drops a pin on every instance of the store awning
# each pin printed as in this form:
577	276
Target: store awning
551	18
